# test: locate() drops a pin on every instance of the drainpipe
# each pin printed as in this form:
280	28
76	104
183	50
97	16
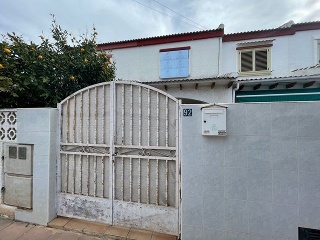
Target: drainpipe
234	92
219	55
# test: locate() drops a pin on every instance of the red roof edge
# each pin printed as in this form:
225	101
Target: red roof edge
276	32
162	39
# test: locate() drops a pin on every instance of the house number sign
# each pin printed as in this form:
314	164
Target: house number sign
187	112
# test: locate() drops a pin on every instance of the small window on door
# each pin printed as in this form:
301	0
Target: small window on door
13	152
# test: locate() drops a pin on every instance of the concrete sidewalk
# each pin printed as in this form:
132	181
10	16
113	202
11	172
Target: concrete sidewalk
73	229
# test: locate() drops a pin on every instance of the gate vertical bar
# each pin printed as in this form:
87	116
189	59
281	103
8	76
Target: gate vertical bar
158	119
178	164
102	176
112	150
67	170
88	118
66	160
81	117
68	119
131	114
167	121
140	113
96	117
102	139
74	174
74	140
148	181
81	140
103	114
74	120
167	179
88	141
122	117
80	176
88	174
149	117
157	183
95	141
139	181
130	159
122	184
95	176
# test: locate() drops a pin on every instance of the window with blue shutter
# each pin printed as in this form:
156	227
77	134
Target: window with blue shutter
175	63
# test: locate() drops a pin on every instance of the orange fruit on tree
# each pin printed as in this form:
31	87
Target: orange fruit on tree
7	50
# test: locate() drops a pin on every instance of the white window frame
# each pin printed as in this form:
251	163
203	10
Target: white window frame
254	72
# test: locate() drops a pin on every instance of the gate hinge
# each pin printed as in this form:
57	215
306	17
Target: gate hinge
2	157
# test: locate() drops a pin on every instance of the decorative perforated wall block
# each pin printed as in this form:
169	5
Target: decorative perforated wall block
8	125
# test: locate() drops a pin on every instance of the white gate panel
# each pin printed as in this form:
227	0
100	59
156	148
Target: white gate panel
119	156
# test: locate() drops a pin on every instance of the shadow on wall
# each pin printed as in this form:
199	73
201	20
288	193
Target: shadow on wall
191	101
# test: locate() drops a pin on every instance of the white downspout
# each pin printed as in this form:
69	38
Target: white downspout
234	92
219	55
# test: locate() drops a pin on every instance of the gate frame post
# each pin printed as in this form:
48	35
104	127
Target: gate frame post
111	154
178	164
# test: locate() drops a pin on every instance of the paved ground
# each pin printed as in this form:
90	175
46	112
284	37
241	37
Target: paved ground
73	229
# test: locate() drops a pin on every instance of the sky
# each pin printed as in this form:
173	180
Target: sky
117	20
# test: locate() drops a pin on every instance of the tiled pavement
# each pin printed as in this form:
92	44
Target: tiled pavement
73	229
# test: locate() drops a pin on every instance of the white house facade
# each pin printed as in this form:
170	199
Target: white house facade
210	66
185	65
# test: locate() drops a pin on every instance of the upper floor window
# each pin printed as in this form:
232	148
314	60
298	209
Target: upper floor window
254	59
174	62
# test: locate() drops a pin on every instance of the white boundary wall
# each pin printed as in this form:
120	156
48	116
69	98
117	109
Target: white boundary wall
261	181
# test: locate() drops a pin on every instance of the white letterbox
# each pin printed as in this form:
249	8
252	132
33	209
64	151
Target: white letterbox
214	120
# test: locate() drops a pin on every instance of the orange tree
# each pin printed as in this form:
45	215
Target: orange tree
41	75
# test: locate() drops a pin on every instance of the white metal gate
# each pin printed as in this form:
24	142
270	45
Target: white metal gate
119	156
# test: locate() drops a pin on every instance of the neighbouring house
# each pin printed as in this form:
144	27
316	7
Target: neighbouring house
280	64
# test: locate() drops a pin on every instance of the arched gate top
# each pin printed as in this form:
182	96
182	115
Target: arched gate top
118	82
